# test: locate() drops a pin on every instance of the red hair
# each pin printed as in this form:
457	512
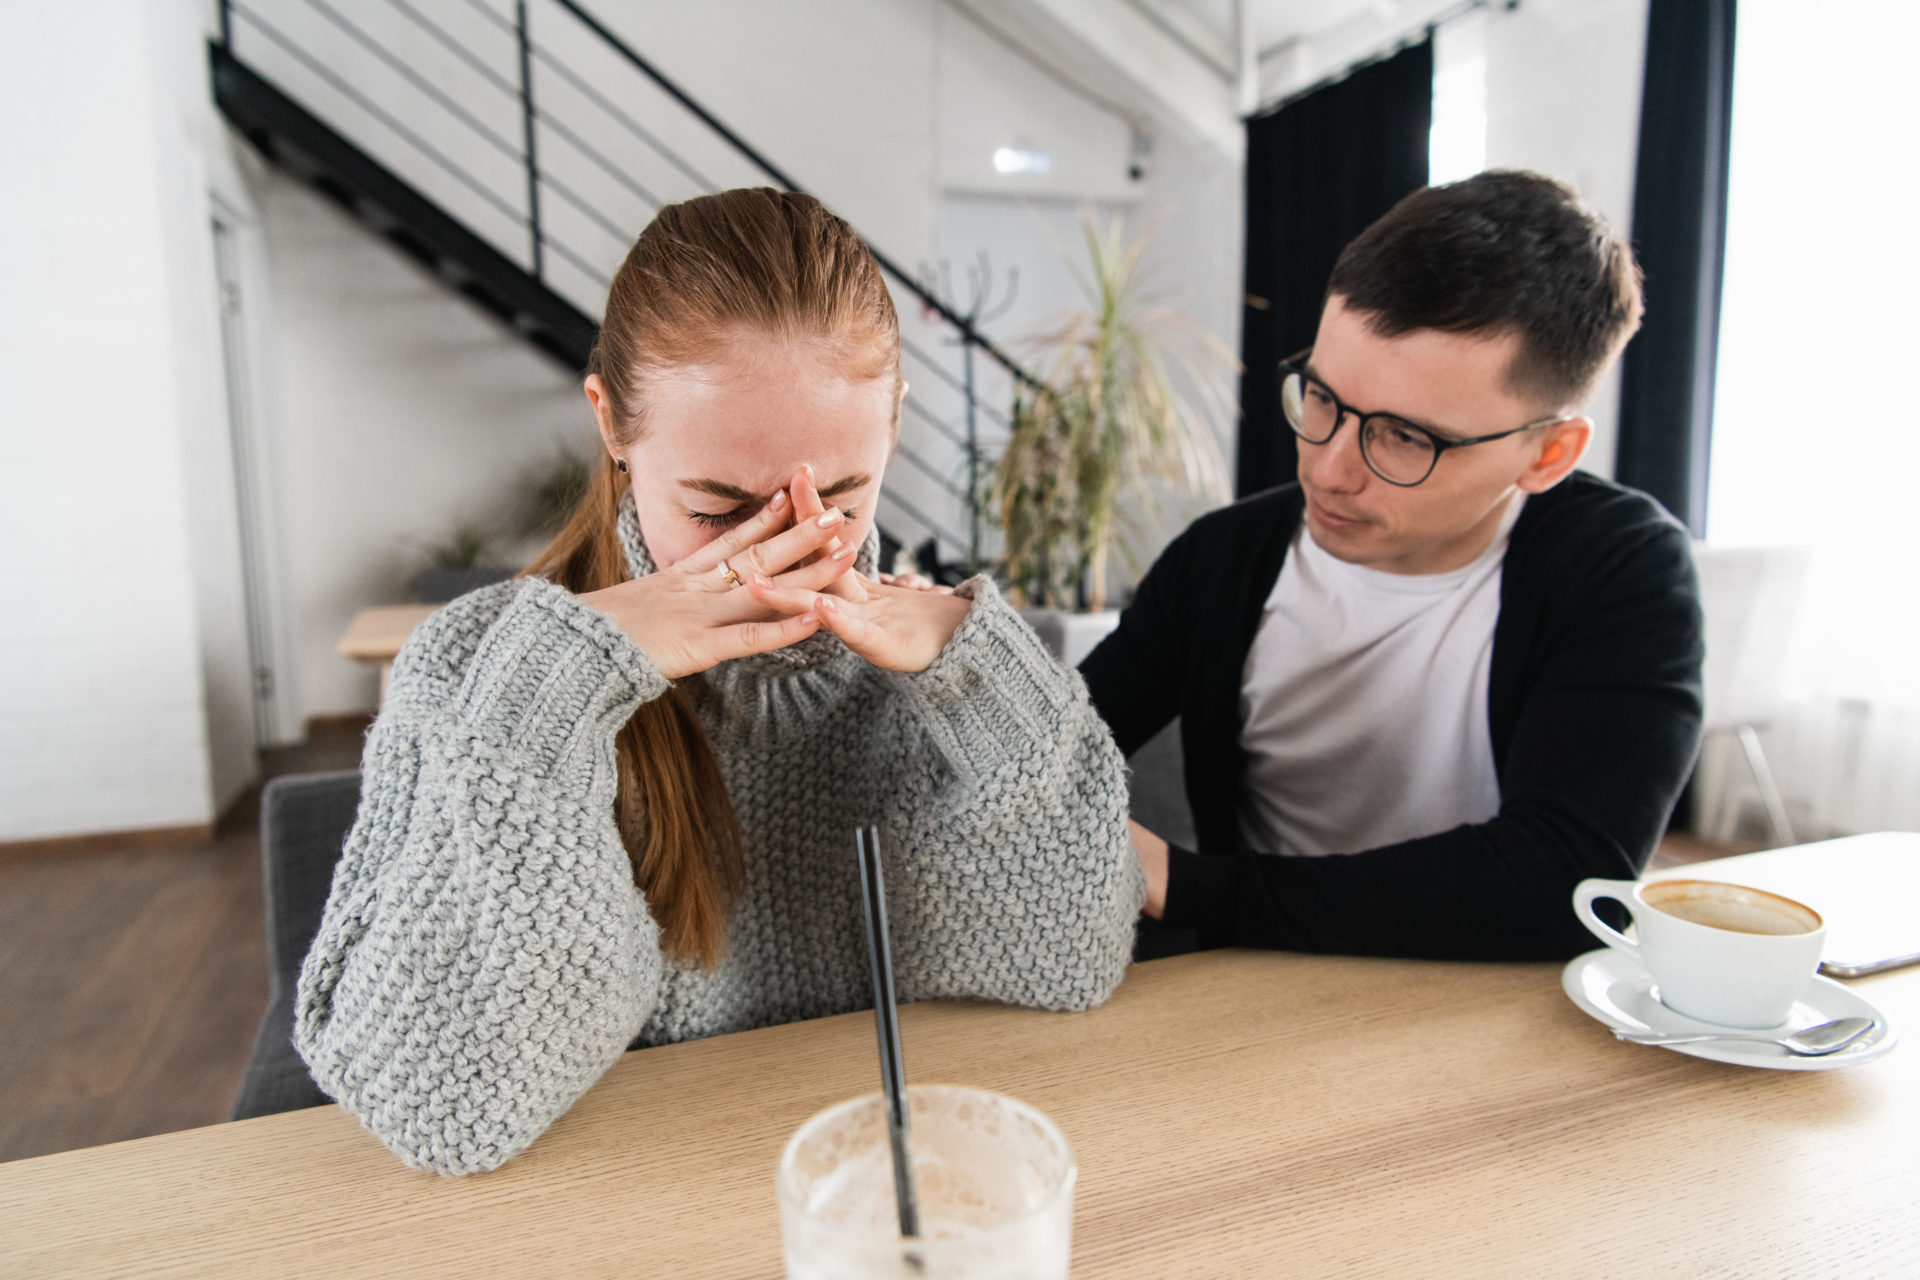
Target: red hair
758	261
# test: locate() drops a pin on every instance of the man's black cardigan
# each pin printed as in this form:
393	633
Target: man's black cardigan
1593	703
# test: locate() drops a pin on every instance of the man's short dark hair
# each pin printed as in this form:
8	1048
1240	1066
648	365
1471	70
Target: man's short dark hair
1501	252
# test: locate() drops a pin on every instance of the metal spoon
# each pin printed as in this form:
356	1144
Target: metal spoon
1809	1042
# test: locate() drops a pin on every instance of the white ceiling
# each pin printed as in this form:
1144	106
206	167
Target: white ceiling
1276	24
1180	61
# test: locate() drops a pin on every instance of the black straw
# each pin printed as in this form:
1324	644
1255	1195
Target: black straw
886	1020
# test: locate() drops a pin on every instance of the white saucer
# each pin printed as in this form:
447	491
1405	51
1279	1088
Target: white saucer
1612	987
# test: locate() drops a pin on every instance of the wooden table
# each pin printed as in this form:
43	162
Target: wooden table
1235	1114
375	635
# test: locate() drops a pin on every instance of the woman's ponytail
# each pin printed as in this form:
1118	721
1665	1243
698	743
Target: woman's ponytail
758	261
671	805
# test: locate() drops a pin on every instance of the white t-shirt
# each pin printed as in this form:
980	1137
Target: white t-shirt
1363	705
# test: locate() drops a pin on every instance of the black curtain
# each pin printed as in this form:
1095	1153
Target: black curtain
1319	171
1679	235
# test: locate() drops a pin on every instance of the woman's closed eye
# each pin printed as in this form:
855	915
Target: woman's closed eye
719	519
726	519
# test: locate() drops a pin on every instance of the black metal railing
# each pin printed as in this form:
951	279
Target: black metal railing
547	244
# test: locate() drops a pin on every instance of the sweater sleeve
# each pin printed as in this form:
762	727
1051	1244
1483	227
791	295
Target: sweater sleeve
1019	883
1604	738
484	955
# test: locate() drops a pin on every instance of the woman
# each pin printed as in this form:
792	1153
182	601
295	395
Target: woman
614	802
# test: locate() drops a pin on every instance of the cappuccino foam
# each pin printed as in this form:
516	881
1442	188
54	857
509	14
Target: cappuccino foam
1731	907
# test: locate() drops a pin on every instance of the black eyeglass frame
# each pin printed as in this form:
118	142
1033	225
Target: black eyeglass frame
1296	365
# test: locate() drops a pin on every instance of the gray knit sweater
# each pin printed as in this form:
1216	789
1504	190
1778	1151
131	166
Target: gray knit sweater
485	956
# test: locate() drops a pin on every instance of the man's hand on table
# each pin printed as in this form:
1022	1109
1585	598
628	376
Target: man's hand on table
1152	852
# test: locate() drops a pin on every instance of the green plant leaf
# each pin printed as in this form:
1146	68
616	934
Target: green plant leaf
1083	449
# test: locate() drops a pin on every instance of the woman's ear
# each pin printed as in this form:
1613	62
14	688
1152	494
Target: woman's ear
1562	445
602	414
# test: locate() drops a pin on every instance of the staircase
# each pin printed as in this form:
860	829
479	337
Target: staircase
516	148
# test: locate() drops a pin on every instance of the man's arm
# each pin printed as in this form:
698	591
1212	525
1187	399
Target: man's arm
1602	743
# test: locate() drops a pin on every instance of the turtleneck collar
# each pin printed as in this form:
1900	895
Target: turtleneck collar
822	646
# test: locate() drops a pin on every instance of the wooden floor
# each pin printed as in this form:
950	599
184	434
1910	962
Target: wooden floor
131	980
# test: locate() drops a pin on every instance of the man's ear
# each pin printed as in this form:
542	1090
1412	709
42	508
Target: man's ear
1559	451
602	414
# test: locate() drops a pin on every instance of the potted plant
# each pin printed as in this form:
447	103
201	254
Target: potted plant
458	563
550	493
472	555
1106	422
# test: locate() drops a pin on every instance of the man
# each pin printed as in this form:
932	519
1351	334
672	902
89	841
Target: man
1427	689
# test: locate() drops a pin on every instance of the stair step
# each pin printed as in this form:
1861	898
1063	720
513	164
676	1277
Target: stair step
311	150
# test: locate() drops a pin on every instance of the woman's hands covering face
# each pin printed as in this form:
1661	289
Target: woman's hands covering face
688	618
795	576
899	627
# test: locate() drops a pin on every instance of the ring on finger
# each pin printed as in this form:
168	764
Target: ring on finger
728	576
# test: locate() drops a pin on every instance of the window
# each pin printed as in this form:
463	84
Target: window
1457	143
1816	432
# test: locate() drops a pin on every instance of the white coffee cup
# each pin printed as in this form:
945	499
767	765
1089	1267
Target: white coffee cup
1721	953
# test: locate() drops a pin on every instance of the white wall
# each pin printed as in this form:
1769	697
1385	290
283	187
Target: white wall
394	409
1187	198
196	170
397	410
839	94
121	625
1189	288
1563	97
987	98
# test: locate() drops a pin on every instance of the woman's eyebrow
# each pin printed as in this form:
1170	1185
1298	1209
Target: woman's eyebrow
846	484
734	493
720	489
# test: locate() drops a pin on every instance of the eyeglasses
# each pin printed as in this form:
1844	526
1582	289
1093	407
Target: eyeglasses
1400	452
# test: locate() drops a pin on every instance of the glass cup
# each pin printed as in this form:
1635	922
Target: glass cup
994	1180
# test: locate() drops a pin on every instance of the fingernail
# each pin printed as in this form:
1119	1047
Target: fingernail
811	618
808	468
826	603
779	500
834	544
843	553
762	582
832	517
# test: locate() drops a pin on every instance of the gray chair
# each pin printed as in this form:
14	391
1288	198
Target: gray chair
1158	787
1158	801
304	820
